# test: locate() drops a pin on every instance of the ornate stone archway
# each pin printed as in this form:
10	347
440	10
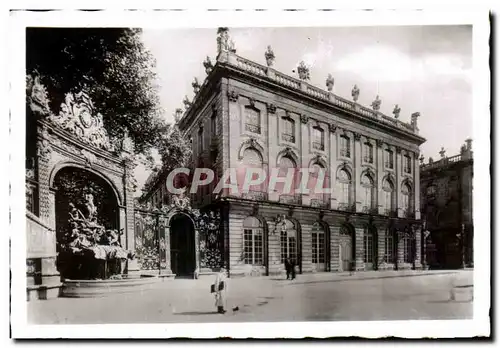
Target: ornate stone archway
74	137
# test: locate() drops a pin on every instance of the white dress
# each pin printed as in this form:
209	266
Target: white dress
220	295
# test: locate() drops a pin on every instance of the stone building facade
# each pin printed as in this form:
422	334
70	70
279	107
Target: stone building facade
446	206
250	115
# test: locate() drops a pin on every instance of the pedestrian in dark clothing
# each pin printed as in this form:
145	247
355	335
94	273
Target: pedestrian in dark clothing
292	268
288	268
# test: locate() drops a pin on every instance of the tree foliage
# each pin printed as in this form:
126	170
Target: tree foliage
112	65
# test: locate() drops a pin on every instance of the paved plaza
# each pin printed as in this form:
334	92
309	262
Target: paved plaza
387	295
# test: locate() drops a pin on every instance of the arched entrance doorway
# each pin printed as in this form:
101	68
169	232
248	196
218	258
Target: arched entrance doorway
182	245
346	248
74	188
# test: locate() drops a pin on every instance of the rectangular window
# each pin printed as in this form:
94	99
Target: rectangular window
200	141
318	139
368	157
389	159
284	246
345	146
288	130
389	248
407	249
368	243
213	124
407	164
314	248
387	202
252	120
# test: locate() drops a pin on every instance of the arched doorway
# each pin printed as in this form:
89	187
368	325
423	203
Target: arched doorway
73	187
320	250
370	250
346	248
182	245
290	243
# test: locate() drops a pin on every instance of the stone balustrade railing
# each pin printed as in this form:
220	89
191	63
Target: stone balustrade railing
315	92
441	162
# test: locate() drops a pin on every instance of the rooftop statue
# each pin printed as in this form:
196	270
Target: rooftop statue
303	71
396	111
330	82
222	39
355	93
196	86
269	55
376	103
207	64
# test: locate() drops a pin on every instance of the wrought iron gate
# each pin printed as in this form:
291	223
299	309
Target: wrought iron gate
150	246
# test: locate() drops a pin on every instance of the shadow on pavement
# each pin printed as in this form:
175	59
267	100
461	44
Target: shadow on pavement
196	313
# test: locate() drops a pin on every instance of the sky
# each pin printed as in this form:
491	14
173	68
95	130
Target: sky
420	68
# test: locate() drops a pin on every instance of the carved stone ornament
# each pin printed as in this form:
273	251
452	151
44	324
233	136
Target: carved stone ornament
376	103
37	96
181	202
355	93
233	95
379	143
89	157
44	149
196	86
269	55
207	64
398	150
251	101
304	119
303	71
79	117
332	128
330	82
187	103
357	136
271	108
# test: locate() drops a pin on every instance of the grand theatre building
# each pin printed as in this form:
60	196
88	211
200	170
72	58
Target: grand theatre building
247	114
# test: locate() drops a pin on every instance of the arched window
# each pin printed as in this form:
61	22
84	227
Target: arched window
344	189
288	241
389	159
252	120
286	164
407	164
253	241
367	188
406	200
252	159
288	130
388	193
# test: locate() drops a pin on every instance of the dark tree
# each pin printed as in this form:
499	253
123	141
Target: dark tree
112	65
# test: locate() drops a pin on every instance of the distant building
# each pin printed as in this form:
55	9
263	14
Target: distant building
446	206
250	115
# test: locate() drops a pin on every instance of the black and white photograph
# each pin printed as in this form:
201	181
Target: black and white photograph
223	170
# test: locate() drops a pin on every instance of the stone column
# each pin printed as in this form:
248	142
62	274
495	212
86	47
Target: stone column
274	249
356	180
400	251
381	232
417	232
379	151
333	166
416	186
306	248
399	180
132	265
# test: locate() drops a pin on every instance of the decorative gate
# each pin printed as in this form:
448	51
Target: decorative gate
150	246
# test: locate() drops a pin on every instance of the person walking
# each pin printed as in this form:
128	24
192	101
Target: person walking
220	288
287	268
292	268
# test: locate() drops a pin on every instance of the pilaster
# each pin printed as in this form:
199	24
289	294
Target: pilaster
333	166
416	186
334	248
399	180
360	264
379	151
357	171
